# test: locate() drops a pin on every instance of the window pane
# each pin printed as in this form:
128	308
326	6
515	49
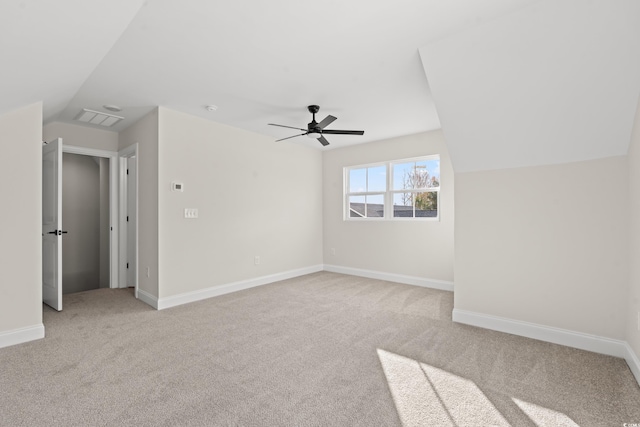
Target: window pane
432	168
357	180
403	205
410	175
426	204
375	206
401	176
377	178
414	175
357	206
370	206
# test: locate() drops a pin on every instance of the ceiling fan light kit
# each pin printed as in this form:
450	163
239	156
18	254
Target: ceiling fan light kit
316	130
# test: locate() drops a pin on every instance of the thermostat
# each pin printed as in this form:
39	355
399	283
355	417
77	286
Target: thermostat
177	186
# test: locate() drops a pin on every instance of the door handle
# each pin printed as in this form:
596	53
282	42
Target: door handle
58	232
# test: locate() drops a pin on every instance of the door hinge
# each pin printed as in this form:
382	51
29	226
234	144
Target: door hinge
127	265
127	171
127	218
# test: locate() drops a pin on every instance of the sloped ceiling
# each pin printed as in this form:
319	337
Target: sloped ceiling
554	82
49	48
258	61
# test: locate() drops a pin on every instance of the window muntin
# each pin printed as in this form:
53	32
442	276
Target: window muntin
404	189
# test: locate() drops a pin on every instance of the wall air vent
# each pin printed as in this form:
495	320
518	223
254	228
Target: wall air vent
97	118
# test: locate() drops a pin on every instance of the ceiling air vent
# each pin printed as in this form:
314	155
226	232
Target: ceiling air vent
97	118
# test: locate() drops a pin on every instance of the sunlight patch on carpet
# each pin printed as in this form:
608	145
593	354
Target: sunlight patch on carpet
425	395
542	416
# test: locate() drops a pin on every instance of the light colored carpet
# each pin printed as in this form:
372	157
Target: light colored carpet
320	350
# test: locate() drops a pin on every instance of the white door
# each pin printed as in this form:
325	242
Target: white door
52	224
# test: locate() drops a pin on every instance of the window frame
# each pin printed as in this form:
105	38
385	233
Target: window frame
389	192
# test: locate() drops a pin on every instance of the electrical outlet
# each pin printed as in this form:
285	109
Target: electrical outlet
191	213
256	260
333	251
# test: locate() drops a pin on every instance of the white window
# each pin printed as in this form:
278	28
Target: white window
393	190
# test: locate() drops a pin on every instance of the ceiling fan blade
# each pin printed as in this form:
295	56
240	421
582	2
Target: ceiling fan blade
327	120
289	137
290	127
323	141
342	132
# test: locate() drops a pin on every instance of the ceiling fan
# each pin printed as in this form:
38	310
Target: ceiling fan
317	130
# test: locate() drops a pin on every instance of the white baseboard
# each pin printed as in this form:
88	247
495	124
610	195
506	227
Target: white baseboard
392	277
21	335
147	298
594	343
550	334
215	291
633	361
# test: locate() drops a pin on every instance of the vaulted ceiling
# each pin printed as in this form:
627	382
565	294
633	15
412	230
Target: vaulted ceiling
555	82
496	68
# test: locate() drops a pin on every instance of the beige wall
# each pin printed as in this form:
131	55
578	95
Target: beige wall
422	249
80	136
145	133
21	243
633	317
255	198
546	245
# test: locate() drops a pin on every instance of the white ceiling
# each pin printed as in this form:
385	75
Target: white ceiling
555	82
258	61
516	82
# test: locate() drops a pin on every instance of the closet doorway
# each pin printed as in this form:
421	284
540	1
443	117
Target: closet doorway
89	215
86	219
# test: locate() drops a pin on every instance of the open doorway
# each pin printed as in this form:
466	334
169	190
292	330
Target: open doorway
103	204
86	219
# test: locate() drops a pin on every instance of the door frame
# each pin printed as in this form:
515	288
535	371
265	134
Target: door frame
113	204
123	156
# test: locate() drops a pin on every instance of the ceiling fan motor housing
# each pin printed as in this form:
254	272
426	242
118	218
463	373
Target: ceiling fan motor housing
313	126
